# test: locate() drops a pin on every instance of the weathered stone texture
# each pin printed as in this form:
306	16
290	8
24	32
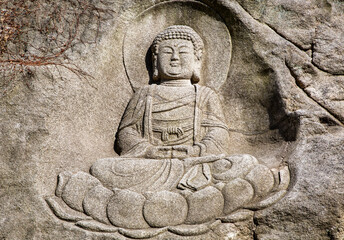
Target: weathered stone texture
283	100
313	207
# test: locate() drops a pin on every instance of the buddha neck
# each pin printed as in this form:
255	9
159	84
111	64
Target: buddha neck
176	83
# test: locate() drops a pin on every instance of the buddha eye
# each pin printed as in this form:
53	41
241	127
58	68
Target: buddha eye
184	50
167	50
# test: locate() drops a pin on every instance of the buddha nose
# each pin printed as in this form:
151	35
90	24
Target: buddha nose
175	56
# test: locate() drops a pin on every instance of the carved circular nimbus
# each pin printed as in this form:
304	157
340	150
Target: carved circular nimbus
205	21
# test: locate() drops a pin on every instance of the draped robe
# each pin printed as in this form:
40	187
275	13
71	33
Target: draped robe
153	120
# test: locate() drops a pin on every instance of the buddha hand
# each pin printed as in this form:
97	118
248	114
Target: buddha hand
185	151
158	152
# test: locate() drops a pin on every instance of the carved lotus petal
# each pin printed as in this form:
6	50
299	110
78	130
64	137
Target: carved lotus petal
165	209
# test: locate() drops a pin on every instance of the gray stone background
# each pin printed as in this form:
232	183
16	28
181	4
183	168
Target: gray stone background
283	99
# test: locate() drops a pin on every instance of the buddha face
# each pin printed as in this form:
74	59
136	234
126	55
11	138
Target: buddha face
176	59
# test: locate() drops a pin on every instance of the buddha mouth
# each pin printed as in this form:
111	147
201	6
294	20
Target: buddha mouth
174	64
174	73
174	70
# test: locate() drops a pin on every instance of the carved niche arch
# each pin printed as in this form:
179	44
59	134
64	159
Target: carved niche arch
204	20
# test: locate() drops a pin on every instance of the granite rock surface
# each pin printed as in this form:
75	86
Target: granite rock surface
283	99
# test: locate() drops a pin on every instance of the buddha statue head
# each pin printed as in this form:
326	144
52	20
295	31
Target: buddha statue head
177	54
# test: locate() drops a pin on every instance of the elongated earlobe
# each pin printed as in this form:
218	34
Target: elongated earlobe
155	68
196	75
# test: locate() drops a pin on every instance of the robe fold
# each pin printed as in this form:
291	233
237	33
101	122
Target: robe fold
208	124
152	120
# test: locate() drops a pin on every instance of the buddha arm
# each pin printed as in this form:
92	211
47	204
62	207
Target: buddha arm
129	138
130	141
134	145
216	138
214	142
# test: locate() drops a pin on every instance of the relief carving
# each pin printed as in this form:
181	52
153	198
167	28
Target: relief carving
173	173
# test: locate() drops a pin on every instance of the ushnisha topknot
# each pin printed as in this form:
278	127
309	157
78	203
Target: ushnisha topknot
179	32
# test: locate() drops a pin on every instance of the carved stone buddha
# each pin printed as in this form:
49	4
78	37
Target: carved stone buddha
173	167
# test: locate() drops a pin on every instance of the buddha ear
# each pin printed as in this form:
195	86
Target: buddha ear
155	68
196	76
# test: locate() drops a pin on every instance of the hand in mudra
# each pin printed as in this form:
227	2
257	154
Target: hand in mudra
184	151
178	151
